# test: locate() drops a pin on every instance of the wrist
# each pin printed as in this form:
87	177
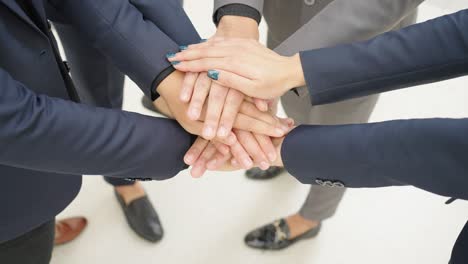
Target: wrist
295	74
170	85
238	27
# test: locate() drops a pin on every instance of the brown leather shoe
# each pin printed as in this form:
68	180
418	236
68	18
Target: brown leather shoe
68	229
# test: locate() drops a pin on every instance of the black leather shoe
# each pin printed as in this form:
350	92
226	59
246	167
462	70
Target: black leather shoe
259	174
275	236
142	218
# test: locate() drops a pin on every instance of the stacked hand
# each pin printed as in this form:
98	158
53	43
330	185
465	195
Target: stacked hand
219	98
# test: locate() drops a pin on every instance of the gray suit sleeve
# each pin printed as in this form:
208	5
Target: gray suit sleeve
257	4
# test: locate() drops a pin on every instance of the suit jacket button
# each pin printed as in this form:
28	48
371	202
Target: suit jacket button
309	2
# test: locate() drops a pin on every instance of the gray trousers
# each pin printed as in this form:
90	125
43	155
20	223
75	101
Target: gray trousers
284	18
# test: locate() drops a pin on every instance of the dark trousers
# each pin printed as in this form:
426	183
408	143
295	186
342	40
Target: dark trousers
34	247
98	82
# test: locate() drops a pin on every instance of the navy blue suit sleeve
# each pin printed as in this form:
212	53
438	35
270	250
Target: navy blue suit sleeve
133	42
428	52
170	17
430	154
49	134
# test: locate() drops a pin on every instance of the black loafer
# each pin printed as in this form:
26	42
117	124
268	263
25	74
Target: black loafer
259	174
275	236
142	218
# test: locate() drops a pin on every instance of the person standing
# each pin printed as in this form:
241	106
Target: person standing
302	25
49	139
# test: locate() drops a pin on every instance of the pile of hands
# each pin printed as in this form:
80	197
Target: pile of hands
229	89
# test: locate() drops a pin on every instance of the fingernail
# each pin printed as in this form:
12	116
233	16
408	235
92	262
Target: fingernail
208	132
272	156
183	47
279	132
170	55
175	62
223	132
247	163
213	74
290	121
264	165
203	40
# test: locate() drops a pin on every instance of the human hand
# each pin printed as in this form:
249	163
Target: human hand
208	155
244	65
202	152
249	117
223	103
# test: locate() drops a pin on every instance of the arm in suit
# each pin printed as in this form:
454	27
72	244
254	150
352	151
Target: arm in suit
127	34
429	154
170	18
427	52
49	134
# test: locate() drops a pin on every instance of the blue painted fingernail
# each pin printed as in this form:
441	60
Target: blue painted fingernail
213	74
170	55
203	40
183	47
175	62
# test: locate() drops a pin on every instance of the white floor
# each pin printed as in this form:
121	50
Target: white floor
205	220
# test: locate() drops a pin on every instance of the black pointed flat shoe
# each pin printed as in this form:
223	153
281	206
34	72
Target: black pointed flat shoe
142	218
276	236
259	174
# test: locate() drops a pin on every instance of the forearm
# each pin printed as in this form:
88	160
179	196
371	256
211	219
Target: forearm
170	17
119	30
428	153
238	27
426	52
50	134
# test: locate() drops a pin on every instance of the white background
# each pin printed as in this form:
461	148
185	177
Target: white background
205	220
